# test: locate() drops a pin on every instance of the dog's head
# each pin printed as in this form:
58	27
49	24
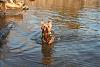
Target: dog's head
46	27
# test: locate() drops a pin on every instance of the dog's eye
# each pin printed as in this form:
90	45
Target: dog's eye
48	26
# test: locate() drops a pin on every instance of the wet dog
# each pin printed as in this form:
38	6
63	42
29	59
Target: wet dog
47	32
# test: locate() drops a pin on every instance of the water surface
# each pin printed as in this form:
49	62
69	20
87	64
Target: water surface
76	24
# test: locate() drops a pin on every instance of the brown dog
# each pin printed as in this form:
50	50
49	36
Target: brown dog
47	34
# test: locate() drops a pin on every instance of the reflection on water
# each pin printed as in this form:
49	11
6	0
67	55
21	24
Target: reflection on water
47	58
2	21
17	18
76	24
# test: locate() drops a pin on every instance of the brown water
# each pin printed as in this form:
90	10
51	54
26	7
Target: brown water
76	24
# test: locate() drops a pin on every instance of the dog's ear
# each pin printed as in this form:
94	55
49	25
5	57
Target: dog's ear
42	22
50	23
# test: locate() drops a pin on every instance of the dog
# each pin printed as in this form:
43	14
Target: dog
47	32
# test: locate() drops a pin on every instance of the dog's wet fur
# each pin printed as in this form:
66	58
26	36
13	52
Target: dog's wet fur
47	32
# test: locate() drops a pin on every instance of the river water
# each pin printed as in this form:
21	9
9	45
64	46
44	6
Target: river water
76	25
